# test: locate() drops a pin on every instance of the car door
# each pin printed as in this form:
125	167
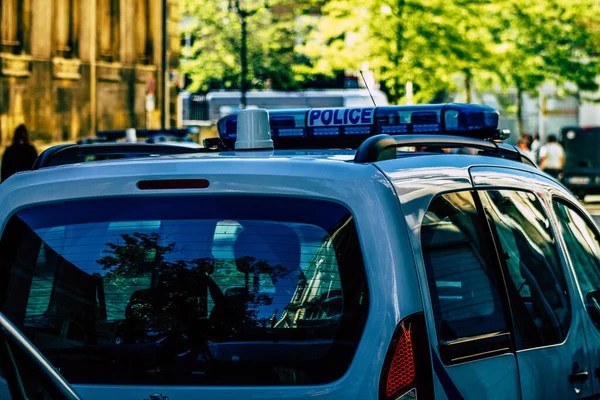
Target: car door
472	359
549	333
582	244
24	371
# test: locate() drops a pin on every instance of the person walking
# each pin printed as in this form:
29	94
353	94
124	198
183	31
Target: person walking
523	145
20	155
534	147
552	157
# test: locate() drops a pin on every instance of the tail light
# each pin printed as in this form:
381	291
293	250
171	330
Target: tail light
406	372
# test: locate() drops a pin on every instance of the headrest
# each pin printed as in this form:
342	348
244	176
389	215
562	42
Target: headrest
193	239
273	243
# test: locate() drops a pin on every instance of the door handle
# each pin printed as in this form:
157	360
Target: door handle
579	376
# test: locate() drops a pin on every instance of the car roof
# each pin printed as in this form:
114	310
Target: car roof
330	176
474	141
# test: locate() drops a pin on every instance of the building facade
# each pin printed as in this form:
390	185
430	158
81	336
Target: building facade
71	67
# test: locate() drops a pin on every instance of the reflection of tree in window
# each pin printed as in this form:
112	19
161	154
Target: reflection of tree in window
175	293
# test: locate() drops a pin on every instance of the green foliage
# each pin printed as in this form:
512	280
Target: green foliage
440	46
215	28
549	41
422	41
546	41
435	43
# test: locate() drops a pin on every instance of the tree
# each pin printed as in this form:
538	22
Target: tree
438	46
546	41
422	41
435	44
213	62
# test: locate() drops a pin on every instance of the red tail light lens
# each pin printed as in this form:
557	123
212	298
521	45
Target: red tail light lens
407	365
402	368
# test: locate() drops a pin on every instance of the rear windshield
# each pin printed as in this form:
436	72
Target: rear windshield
211	290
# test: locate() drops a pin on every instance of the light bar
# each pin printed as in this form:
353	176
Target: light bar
349	127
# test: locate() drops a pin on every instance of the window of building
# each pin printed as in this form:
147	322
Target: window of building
66	19
535	281
143	32
15	24
108	30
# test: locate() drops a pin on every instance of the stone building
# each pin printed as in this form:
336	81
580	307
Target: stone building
71	67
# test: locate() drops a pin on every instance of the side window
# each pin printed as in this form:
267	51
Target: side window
535	281
463	279
583	249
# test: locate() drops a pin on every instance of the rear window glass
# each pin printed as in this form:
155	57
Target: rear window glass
190	291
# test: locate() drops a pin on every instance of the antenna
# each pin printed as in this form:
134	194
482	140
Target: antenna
367	86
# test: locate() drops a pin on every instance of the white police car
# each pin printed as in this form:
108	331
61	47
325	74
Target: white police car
332	274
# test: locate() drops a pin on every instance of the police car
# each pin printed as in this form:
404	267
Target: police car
423	259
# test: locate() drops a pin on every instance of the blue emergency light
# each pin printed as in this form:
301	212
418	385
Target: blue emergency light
349	127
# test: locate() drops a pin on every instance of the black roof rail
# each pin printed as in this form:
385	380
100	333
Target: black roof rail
75	153
383	147
46	157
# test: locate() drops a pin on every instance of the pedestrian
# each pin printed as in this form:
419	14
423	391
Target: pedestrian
535	147
20	155
552	157
523	145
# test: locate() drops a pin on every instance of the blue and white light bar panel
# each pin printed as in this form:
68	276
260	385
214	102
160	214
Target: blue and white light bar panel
348	127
